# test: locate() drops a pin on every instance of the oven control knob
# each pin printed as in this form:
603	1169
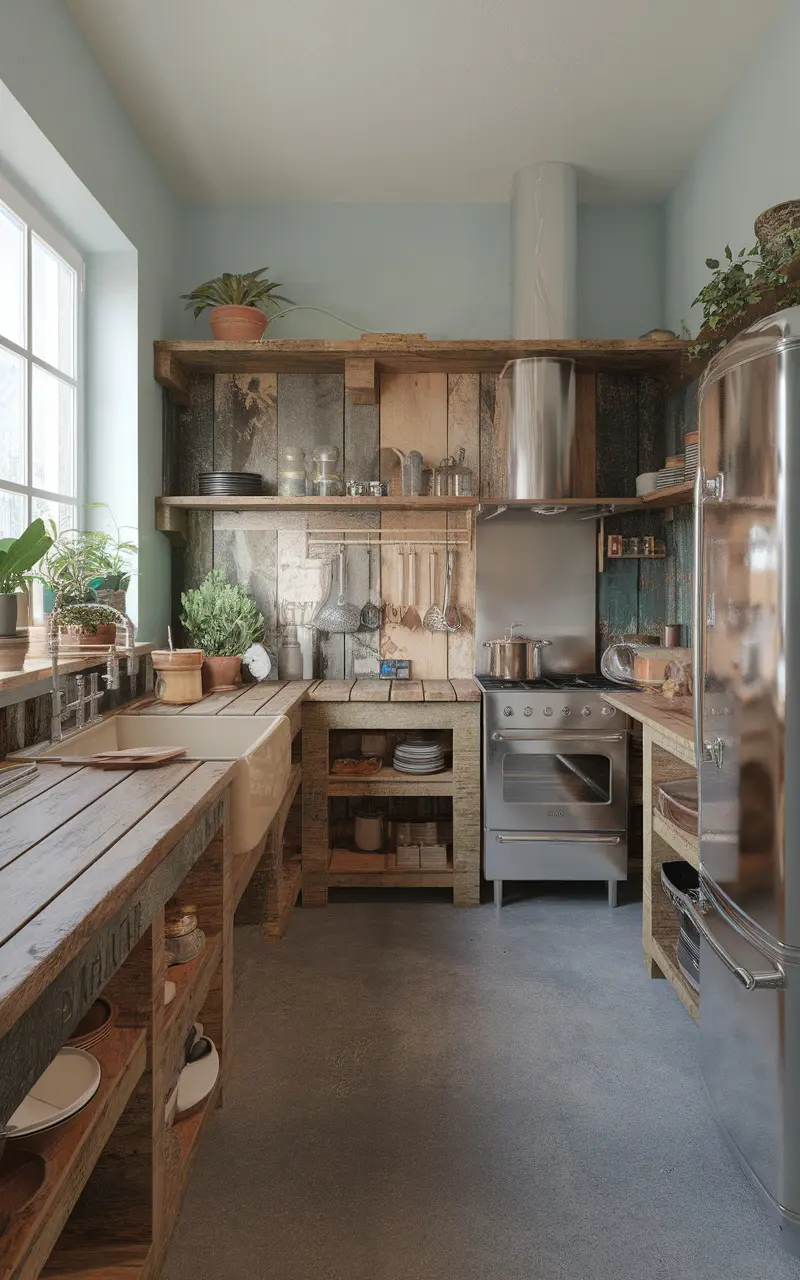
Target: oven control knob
548	711
609	711
508	711
586	711
529	711
566	711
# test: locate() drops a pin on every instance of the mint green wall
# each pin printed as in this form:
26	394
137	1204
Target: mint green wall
440	269
748	161
77	152
620	269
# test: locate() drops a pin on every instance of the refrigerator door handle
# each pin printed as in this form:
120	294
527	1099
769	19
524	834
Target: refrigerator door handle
773	979
698	627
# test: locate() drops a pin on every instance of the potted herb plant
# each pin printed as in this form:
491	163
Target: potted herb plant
111	556
238	304
17	557
224	622
68	572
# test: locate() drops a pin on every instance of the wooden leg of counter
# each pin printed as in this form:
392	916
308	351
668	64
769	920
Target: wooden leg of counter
316	847
467	812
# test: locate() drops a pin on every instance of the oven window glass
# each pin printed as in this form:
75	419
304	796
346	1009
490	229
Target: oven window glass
561	778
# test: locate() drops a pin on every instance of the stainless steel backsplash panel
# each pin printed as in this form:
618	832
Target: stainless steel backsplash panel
538	571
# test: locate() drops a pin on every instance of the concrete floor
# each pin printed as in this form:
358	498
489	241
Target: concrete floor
427	1094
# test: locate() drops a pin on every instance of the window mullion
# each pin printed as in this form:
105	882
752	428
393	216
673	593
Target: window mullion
29	369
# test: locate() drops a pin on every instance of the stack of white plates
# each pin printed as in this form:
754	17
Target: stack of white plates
668	476
418	755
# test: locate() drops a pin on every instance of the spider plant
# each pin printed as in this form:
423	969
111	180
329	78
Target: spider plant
230	290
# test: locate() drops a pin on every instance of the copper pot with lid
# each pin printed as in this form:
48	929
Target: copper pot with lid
515	657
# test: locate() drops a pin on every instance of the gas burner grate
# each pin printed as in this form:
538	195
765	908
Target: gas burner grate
492	684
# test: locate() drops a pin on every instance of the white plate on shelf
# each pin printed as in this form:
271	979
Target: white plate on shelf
62	1090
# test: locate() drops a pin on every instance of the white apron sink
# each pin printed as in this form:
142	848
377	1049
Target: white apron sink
261	747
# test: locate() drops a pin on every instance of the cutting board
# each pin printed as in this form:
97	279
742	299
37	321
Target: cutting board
130	758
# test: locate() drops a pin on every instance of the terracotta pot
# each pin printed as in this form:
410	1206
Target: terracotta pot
221	673
105	635
13	651
777	221
237	324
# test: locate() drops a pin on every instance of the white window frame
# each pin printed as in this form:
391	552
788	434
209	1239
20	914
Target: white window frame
36	223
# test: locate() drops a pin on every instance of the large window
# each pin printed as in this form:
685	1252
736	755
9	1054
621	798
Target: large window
41	277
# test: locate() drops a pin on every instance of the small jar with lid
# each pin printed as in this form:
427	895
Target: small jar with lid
292	482
327	477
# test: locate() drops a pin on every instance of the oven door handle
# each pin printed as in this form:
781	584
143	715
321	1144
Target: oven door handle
544	735
556	837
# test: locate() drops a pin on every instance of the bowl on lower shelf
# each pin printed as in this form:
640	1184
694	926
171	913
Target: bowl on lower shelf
677	802
22	1176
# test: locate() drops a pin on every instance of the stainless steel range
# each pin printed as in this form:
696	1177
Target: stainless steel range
555	781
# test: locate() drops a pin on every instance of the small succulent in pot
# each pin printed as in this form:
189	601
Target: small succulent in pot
222	620
17	557
238	304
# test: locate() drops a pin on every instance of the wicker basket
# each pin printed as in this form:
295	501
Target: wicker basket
776	222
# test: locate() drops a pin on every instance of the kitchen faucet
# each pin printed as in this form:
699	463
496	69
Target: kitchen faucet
60	707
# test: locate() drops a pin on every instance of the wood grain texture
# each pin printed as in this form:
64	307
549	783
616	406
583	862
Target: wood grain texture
584	462
361	380
371	691
463	432
438	691
246	426
413	416
331	691
361	440
466	690
407	691
415	355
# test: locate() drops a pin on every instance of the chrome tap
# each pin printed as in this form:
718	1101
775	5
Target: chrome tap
60	707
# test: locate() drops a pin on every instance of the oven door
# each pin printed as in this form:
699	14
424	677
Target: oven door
551	780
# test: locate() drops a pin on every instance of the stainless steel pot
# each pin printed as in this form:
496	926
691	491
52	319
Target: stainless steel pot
515	657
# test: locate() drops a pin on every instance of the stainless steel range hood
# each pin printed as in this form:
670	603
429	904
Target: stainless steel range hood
535	428
535	414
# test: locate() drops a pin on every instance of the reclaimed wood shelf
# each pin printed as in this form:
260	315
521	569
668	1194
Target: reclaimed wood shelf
663	952
361	359
71	1152
683	844
675	495
183	1141
342	874
270	502
397	782
192	982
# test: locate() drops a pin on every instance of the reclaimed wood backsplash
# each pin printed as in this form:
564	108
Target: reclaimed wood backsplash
627	423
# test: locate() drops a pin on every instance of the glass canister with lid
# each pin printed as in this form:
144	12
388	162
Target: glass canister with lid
327	478
292	480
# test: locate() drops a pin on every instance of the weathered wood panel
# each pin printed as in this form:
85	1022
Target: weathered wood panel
463	432
246	425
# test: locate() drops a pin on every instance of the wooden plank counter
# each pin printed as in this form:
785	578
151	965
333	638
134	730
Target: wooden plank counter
668	753
87	861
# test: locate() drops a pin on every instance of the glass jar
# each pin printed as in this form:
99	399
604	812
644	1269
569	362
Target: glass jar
292	481
327	478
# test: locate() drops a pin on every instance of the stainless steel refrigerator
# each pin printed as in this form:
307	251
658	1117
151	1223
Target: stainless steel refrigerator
747	726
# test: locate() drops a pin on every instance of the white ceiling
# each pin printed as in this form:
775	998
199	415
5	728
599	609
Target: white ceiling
252	100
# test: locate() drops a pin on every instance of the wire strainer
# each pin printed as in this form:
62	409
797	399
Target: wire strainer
341	617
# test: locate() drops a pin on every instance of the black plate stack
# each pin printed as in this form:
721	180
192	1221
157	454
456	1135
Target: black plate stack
229	484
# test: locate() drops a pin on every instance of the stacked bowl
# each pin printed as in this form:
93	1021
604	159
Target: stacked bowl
419	755
229	484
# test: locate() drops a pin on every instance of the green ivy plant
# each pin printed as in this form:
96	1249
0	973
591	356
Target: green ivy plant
738	283
229	290
220	618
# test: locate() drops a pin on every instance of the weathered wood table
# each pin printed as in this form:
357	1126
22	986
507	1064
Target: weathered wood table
337	711
88	858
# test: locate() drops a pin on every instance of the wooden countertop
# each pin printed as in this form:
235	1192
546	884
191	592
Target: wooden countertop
670	716
76	844
395	691
37	669
284	697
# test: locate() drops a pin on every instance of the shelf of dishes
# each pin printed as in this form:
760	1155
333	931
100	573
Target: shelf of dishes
375	756
57	1134
391	833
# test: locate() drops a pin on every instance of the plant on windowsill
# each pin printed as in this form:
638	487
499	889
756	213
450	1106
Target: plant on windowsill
224	622
755	283
68	572
111	556
17	557
238	305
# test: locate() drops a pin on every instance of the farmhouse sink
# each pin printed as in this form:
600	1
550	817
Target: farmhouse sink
261	746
